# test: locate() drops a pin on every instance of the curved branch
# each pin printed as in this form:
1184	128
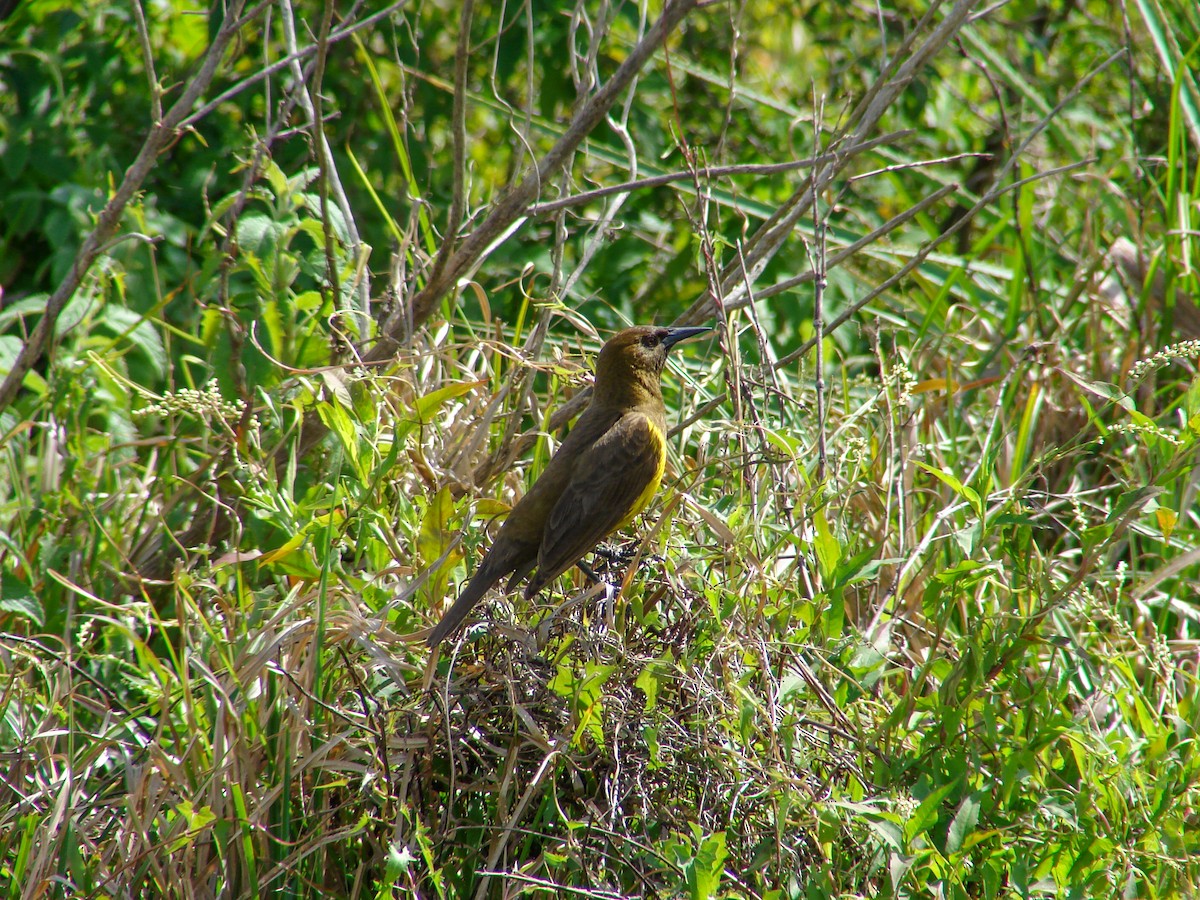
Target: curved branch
512	206
162	133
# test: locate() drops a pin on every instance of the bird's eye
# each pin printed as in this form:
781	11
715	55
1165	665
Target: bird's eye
650	340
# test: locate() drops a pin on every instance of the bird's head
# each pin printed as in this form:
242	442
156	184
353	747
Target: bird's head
635	357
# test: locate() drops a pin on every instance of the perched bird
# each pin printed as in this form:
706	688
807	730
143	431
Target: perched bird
604	474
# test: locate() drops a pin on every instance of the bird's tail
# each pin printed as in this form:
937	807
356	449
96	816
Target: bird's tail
494	567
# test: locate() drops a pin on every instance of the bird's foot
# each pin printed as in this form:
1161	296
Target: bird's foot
615	556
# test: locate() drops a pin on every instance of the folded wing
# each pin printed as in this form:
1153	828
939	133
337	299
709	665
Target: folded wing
611	483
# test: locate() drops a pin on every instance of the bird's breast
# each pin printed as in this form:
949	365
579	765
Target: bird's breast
660	452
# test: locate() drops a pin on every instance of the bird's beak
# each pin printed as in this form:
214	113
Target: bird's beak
675	335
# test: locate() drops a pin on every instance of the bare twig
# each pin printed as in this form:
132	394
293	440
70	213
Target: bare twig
919	164
510	208
845	253
921	255
143	32
462	57
770	236
314	109
713	172
162	134
819	265
266	72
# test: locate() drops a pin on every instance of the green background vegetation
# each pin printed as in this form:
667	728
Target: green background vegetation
917	613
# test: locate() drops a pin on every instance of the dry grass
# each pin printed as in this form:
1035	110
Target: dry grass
922	625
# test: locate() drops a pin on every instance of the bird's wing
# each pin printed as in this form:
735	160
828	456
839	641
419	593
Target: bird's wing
611	482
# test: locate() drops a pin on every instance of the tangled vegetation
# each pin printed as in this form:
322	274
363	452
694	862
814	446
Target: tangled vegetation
296	301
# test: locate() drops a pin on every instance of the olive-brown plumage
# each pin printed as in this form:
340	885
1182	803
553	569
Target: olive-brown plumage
603	475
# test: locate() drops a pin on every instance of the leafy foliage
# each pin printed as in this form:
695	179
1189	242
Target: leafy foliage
916	613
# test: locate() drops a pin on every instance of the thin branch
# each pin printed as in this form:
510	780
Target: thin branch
162	134
280	64
654	181
919	164
462	56
845	253
819	263
314	110
143	33
921	255
983	201
770	237
511	207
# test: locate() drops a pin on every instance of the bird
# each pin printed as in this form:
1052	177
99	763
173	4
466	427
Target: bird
603	474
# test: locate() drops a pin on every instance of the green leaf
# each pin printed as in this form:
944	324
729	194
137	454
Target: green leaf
651	677
427	406
963	823
140	332
1163	36
966	492
18	598
10	348
585	693
926	814
338	421
829	551
707	866
435	537
1102	389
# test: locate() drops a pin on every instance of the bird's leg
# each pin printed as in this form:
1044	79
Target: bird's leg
589	572
606	612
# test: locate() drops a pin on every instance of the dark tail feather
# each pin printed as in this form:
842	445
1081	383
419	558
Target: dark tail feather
496	564
472	594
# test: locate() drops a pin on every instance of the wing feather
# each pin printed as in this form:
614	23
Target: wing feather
610	484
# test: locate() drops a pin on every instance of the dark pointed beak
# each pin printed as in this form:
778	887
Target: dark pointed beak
675	335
